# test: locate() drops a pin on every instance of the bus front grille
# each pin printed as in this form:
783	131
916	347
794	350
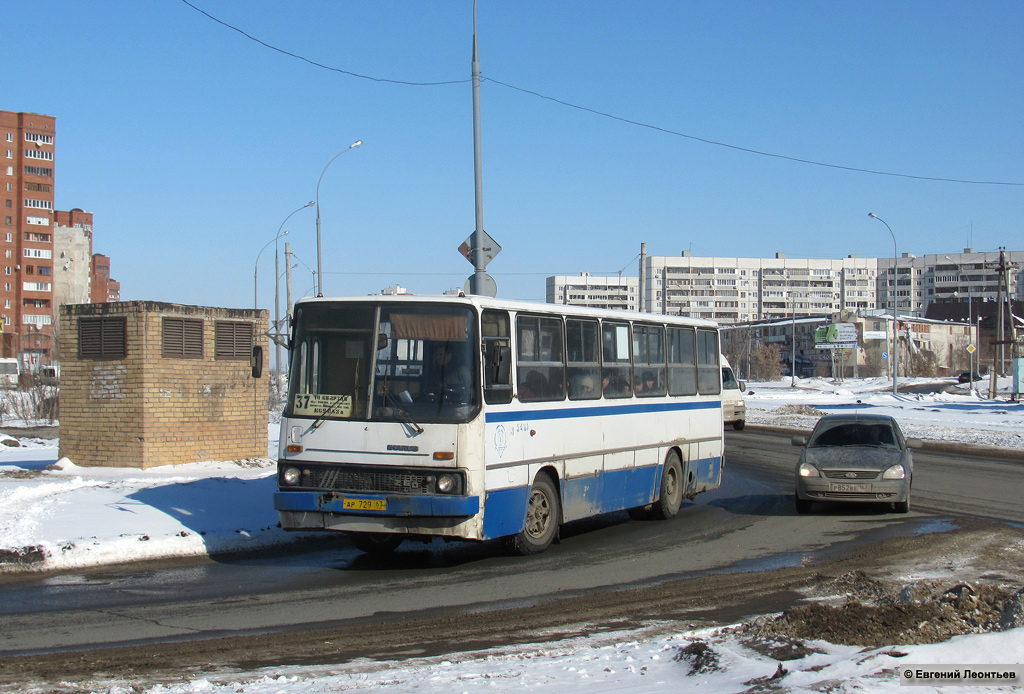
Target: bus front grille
371	480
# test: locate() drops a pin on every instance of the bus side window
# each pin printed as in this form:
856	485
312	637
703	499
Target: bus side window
709	373
540	364
682	362
584	365
497	349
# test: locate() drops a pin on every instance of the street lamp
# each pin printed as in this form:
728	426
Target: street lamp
970	322
256	268
892	296
319	263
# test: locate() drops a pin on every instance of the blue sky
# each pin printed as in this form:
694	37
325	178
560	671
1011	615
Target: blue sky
191	143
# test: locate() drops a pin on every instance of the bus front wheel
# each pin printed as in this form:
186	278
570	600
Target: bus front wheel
542	516
376	543
670	494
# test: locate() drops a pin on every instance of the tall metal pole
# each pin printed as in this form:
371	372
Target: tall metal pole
477	285
892	298
319	261
288	282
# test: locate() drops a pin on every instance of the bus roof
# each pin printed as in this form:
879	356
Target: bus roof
514	305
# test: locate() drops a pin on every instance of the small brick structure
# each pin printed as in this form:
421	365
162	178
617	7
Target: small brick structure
146	383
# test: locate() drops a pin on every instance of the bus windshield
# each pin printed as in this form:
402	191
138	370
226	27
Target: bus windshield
411	363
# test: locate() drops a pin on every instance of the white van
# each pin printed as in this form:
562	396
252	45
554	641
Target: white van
734	410
9	372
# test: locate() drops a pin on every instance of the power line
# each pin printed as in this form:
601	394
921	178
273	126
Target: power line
611	116
747	149
313	62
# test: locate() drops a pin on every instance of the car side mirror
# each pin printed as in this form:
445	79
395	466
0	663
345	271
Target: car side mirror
799	441
915	443
256	361
743	385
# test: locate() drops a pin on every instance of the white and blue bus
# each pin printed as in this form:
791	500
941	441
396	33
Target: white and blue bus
466	417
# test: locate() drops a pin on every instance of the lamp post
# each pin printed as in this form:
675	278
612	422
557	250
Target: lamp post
277	285
256	268
970	323
319	263
892	295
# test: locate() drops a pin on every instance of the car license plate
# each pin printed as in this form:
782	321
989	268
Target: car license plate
364	504
834	487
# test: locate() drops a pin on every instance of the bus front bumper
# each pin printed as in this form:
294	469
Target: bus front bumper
387	505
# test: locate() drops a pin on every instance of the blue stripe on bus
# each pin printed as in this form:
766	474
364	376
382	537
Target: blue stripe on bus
573	412
605	492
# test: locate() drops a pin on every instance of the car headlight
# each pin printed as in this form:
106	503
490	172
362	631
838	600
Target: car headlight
896	472
808	470
446	484
290	476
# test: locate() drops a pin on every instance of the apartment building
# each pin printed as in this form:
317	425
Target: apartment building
737	290
743	290
594	291
40	272
26	311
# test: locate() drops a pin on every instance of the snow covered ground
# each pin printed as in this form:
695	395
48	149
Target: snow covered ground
56	515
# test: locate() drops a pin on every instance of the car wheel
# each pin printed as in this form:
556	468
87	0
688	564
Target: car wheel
803	505
902	506
542	518
739	424
376	543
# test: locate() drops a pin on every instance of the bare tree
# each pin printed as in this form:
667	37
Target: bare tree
765	362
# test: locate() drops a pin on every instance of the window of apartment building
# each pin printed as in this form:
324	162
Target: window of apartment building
38	187
8	237
36	171
10	137
102	338
43	154
44	269
182	338
39	204
39	238
41	139
37	286
8	204
30	270
38	253
10	154
232	339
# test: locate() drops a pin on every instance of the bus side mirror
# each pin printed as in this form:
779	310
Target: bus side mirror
501	358
256	361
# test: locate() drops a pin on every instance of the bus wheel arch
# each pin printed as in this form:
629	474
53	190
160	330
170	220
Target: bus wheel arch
543	516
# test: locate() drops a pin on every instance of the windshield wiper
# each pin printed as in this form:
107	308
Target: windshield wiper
401	412
323	415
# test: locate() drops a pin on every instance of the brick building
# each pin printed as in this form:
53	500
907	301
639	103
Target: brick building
37	277
146	383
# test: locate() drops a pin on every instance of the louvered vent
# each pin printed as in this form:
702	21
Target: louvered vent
102	338
232	340
182	338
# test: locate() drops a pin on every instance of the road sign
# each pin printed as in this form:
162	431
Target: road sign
885	355
489	249
490	288
970	349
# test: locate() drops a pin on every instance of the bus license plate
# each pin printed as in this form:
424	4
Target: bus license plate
364	504
849	487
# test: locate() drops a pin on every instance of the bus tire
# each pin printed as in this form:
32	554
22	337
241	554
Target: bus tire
739	424
376	543
543	513
670	492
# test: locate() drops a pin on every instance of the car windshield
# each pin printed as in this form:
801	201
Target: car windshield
411	363
878	434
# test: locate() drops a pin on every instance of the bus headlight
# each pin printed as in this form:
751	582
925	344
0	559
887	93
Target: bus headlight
290	476
446	484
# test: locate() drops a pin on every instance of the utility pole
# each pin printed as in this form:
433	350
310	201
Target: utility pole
643	283
288	284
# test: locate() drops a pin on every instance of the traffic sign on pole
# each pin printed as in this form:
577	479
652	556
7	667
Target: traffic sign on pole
488	249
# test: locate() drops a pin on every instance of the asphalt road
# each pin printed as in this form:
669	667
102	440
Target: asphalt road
747	524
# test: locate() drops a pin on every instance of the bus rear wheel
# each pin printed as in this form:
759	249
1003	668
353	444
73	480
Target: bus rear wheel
376	543
670	494
542	516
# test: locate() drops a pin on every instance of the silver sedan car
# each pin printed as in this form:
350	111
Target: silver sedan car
855	457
